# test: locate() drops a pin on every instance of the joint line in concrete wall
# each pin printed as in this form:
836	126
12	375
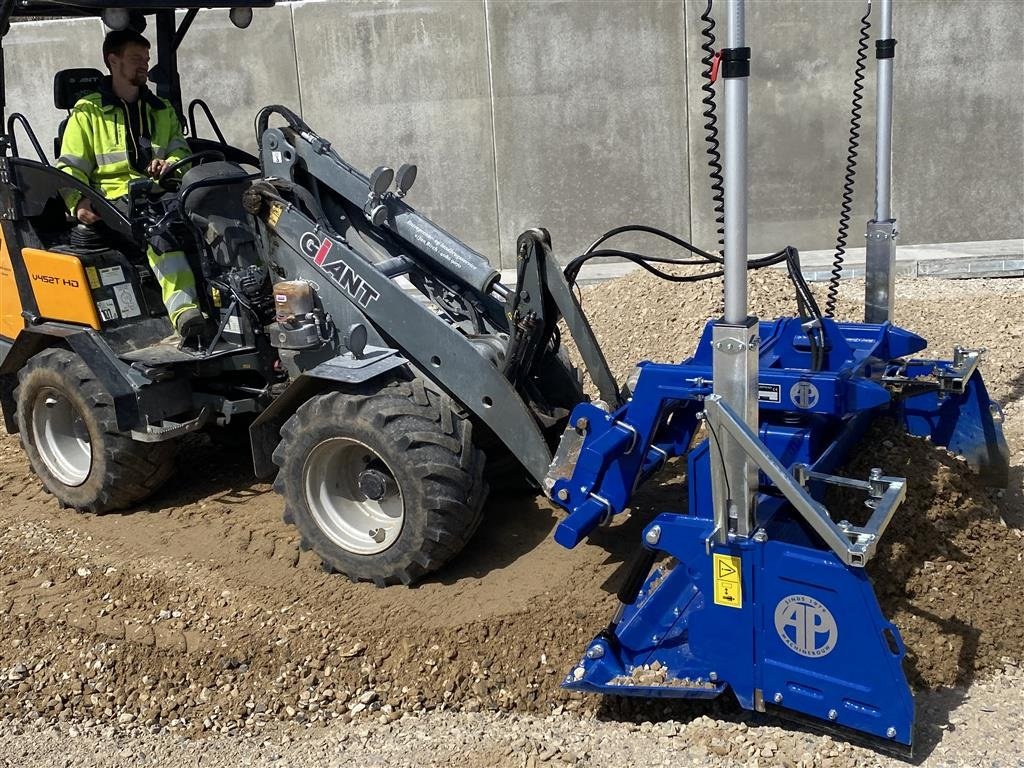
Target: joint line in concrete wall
686	114
494	133
295	54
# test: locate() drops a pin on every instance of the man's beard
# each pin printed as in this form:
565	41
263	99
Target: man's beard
135	77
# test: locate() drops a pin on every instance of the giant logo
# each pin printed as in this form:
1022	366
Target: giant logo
318	251
806	626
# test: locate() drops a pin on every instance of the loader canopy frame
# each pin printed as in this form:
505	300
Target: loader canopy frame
169	33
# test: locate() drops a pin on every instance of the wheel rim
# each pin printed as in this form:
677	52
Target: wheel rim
61	437
338	500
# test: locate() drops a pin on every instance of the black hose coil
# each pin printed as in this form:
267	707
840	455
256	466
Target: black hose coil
851	164
711	126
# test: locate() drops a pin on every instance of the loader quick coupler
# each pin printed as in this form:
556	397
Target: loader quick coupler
785	618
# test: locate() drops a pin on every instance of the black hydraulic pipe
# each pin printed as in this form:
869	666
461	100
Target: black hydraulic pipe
639	567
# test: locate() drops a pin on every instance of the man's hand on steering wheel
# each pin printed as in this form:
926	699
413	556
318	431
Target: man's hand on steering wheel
166	177
156	168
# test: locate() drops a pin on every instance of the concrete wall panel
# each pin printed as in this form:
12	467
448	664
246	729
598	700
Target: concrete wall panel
34	52
590	119
958	140
238	71
583	116
959	114
801	84
392	83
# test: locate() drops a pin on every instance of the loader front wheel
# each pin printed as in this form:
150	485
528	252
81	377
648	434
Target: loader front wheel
383	483
68	430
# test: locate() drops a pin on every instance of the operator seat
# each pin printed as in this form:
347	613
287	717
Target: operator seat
69	85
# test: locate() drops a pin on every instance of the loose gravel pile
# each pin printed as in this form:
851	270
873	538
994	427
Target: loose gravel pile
198	615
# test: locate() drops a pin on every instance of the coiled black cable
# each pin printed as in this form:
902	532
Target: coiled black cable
711	126
851	164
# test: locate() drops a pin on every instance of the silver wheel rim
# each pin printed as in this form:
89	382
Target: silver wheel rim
61	437
346	515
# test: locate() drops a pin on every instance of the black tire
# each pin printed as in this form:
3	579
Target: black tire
421	443
117	471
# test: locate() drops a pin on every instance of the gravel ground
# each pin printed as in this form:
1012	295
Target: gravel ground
193	631
982	727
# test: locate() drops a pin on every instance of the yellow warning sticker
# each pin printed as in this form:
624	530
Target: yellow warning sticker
276	209
94	278
728	586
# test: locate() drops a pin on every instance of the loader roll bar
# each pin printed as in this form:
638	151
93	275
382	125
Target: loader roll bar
168	35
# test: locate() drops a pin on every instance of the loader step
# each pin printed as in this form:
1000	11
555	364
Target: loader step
168	351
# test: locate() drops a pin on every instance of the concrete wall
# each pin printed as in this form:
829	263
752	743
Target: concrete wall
392	83
582	116
33	52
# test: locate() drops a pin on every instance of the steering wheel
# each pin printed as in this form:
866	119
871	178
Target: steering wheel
167	179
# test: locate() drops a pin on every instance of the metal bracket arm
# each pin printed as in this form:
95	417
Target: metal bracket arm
542	284
885	496
955	376
721	418
949	377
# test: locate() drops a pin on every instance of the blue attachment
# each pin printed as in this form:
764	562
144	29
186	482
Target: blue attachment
811	627
969	424
797	628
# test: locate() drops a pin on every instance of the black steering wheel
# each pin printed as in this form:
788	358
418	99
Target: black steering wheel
170	182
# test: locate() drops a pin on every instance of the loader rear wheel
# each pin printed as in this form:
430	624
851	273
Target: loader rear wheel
67	428
383	483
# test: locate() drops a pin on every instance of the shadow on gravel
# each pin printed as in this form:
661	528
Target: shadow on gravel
664	492
513	525
934	706
1016	389
207	468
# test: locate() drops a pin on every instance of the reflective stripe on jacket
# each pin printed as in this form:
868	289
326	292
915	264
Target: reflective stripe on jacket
94	149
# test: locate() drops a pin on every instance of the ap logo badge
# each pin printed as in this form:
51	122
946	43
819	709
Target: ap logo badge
806	626
804	395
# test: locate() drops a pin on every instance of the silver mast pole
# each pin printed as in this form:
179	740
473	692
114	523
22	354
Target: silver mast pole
735	178
735	337
880	258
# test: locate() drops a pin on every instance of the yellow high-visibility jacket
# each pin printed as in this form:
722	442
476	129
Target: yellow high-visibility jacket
100	145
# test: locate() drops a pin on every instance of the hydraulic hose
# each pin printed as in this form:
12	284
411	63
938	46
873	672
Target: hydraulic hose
572	269
807	307
851	164
263	120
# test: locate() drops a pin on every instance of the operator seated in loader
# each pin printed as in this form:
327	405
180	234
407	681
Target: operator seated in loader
121	133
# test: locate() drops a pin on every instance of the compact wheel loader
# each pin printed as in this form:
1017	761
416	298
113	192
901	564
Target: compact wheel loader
388	377
381	368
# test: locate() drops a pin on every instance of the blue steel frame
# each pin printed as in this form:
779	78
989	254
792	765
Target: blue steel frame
807	633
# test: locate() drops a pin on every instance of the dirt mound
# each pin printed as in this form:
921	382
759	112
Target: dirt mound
198	610
948	569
